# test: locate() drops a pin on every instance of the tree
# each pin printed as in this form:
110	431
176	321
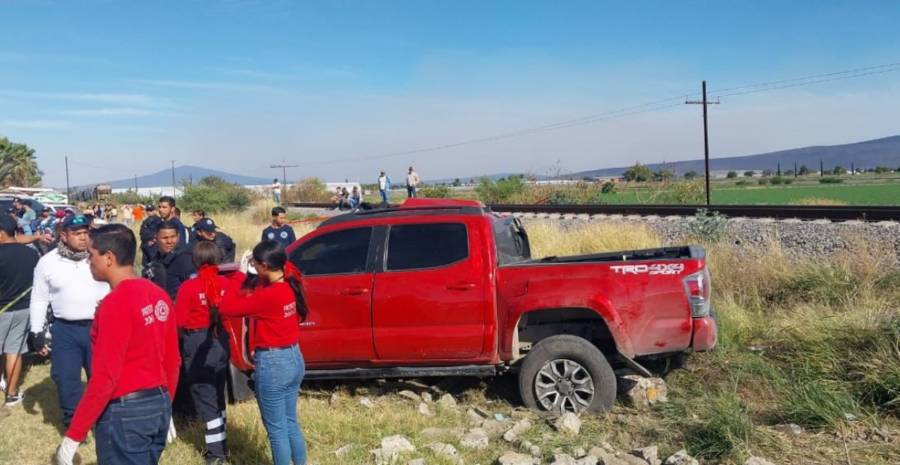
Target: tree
18	166
789	173
882	169
608	187
767	173
690	175
638	173
663	175
749	174
839	170
490	191
731	175
456	182
803	171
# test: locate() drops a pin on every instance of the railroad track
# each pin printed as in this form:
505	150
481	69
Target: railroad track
802	212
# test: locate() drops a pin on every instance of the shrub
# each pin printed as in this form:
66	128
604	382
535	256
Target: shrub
708	226
830	180
609	187
762	181
499	191
215	195
778	180
308	190
638	172
685	193
691	175
742	183
749	174
731	175
434	192
132	198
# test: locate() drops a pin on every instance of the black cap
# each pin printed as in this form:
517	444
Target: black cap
8	225
76	222
205	225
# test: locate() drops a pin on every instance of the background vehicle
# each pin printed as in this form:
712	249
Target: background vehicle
446	287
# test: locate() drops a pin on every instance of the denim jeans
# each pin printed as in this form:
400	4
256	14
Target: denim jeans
384	196
71	353
278	376
411	192
276	197
133	432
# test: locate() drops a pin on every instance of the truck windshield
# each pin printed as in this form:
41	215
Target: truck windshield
512	241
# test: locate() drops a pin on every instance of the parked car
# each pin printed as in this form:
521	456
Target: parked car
449	288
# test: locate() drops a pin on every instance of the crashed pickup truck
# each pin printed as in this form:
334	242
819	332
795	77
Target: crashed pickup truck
449	288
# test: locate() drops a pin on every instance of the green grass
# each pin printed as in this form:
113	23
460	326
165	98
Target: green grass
852	194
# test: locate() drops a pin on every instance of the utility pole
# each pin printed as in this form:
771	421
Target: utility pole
173	178
778	172
821	168
135	184
795	170
704	102
68	190
284	166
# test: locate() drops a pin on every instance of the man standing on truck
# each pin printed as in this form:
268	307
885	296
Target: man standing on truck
276	191
384	187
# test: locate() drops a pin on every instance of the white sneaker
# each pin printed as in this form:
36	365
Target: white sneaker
14	400
2	384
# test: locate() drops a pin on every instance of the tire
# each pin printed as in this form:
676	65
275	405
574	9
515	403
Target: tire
558	373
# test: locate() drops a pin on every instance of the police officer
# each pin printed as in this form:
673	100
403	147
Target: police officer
204	346
135	364
149	227
169	264
63	281
206	231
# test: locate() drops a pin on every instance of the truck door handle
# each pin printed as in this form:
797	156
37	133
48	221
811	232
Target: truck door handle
354	291
460	286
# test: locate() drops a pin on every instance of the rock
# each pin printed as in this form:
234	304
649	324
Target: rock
366	402
493	428
427	397
474	417
443	449
681	458
436	434
476	438
531	448
579	452
344	450
757	461
630	460
789	428
335	398
416	462
481	411
563	459
568	423
648	454
424	410
850	417
520	427
447	401
642	392
587	461
407	394
880	434
397	444
514	458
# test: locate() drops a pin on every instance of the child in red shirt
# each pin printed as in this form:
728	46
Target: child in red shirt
276	308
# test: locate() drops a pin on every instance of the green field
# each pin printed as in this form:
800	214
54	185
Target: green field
850	194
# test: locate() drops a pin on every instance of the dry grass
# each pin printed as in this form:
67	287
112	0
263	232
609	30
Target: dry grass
801	341
820	201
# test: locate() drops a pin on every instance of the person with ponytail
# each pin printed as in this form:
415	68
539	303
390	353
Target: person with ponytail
204	346
274	303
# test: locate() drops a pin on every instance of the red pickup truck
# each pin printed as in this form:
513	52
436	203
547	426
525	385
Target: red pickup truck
449	288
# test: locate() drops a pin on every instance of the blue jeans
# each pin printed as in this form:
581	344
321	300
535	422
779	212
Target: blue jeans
384	196
411	192
276	197
70	354
133	432
278	376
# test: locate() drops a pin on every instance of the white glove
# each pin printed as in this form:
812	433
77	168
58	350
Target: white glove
171	435
246	267
65	453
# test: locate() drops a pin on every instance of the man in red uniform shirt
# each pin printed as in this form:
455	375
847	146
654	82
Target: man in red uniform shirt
135	363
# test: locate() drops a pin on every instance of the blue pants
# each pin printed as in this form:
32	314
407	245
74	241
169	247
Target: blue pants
384	196
411	191
278	376
71	352
133	432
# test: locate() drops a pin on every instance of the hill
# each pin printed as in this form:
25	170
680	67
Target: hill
866	154
184	173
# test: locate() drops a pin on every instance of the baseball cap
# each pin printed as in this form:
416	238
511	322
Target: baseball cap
60	214
206	225
76	222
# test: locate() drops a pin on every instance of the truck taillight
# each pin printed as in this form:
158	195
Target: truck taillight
696	286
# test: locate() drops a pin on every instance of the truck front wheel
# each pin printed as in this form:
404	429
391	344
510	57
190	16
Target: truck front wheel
567	374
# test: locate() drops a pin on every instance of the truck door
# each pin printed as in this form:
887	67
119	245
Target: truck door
430	301
337	286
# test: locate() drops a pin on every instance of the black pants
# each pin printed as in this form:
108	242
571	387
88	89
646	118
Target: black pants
205	362
71	353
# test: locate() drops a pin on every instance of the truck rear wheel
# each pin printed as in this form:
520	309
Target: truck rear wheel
567	374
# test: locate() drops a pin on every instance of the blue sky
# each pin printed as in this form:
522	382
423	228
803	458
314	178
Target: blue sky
124	87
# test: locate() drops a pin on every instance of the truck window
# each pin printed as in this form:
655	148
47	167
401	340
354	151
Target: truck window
512	241
432	245
338	252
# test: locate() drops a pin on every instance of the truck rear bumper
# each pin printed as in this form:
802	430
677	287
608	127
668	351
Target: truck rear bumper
705	333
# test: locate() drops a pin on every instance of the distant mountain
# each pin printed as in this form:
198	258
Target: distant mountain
183	174
867	154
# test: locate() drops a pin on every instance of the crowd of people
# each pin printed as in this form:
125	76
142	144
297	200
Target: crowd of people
151	344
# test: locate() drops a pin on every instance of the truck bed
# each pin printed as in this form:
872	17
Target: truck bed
661	253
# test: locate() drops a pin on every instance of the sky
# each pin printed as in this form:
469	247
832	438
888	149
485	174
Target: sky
347	88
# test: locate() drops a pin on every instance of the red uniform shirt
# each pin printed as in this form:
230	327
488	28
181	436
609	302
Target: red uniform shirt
134	345
191	306
273	313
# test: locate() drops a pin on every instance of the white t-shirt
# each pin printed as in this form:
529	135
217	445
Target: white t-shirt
382	182
276	188
67	285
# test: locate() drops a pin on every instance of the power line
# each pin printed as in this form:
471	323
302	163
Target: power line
652	106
